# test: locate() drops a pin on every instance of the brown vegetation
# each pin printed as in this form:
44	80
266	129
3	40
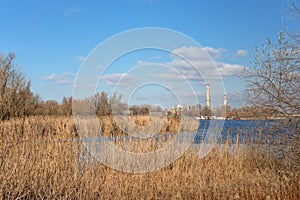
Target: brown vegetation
43	163
121	125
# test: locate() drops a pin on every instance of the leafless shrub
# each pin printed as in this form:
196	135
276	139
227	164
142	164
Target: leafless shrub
273	82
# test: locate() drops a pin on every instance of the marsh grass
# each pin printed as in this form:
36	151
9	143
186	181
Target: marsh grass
39	160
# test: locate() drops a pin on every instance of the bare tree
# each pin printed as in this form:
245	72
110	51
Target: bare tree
102	104
66	106
16	99
274	80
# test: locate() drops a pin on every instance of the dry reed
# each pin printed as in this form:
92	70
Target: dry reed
39	160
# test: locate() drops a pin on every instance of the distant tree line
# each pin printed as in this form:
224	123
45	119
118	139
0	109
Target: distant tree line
139	110
249	111
17	99
246	112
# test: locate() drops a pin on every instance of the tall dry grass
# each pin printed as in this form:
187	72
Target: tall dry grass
137	124
39	160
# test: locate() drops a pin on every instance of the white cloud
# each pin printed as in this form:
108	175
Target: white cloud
65	78
226	69
120	79
184	75
196	53
241	53
73	10
141	62
202	63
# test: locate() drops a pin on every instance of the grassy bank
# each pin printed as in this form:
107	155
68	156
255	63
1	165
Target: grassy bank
39	161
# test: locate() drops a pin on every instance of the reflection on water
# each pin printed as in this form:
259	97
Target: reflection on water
235	129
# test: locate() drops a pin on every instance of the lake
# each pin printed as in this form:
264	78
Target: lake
210	133
220	130
233	129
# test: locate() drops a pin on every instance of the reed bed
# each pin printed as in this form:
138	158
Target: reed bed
39	159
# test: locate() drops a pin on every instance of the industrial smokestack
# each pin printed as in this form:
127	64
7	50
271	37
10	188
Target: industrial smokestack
225	100
207	96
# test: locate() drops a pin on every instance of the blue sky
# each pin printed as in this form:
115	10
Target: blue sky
52	38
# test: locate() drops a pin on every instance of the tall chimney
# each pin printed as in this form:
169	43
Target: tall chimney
207	96
225	100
